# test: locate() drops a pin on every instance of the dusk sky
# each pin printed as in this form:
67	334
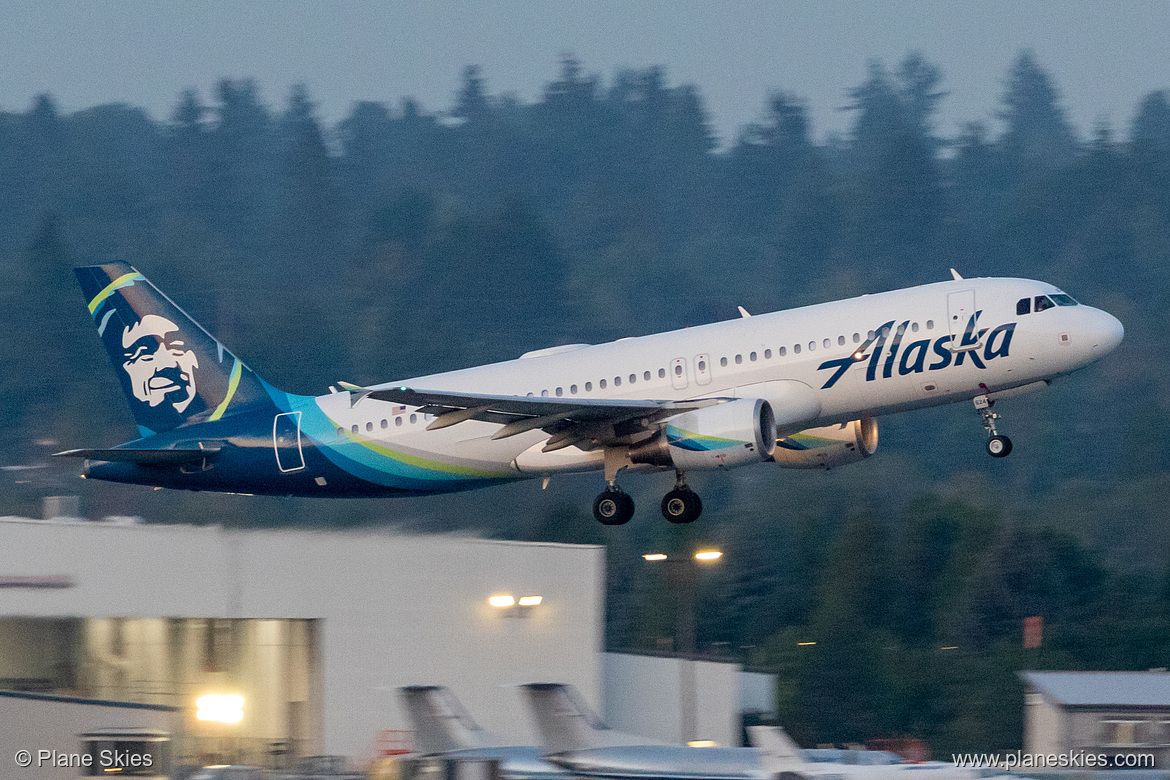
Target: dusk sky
1104	56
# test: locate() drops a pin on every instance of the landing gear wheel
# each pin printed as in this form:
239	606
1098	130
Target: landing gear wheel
682	505
999	446
613	507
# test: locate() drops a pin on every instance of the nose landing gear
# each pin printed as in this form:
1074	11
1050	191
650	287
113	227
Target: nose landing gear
997	446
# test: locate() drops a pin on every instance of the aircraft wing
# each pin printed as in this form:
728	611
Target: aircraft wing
584	422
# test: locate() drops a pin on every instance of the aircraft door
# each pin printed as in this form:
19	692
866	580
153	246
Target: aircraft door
960	310
286	441
678	373
703	369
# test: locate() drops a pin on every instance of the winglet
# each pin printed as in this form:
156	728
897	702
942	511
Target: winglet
956	275
778	753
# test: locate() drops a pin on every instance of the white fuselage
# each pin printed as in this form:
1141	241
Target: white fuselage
1004	350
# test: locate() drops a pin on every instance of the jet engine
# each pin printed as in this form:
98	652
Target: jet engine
721	436
828	447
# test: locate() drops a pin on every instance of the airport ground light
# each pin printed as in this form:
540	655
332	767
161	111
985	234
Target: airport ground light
683	573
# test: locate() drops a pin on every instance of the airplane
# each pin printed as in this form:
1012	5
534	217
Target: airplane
443	729
801	388
576	739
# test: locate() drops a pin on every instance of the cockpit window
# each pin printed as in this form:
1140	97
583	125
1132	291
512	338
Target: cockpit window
1024	306
1044	302
1063	300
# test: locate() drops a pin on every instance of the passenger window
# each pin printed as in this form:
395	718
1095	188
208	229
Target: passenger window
870	335
812	345
413	419
678	370
885	332
617	381
1044	302
914	327
385	424
633	378
543	394
826	343
840	341
1063	300
930	324
341	431
767	354
1024	306
560	392
662	373
572	389
796	349
601	385
752	357
723	362
588	387
370	426
702	365
354	429
856	338
646	375
398	420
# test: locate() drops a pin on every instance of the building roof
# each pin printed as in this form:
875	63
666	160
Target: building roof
1103	689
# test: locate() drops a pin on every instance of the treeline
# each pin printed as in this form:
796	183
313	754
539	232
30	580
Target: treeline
404	241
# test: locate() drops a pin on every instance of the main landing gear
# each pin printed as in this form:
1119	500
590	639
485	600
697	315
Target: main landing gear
997	446
613	506
681	505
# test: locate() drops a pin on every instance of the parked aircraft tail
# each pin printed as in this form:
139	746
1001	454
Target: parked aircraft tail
566	723
172	371
440	723
778	753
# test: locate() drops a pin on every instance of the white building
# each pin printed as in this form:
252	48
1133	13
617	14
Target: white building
1106	713
314	630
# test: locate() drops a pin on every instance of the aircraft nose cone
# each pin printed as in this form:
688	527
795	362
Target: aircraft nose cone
1109	333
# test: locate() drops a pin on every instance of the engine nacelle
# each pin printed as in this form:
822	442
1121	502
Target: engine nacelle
828	447
721	436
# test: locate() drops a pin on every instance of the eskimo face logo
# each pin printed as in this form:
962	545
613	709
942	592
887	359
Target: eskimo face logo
160	366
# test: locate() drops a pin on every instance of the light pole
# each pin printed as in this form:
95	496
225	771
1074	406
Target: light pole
683	572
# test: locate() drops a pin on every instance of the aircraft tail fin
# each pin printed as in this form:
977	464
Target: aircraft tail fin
778	753
563	719
440	723
172	371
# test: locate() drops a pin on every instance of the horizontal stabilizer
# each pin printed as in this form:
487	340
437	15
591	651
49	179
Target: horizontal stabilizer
142	457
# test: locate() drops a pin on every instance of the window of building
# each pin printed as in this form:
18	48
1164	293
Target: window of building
1123	732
